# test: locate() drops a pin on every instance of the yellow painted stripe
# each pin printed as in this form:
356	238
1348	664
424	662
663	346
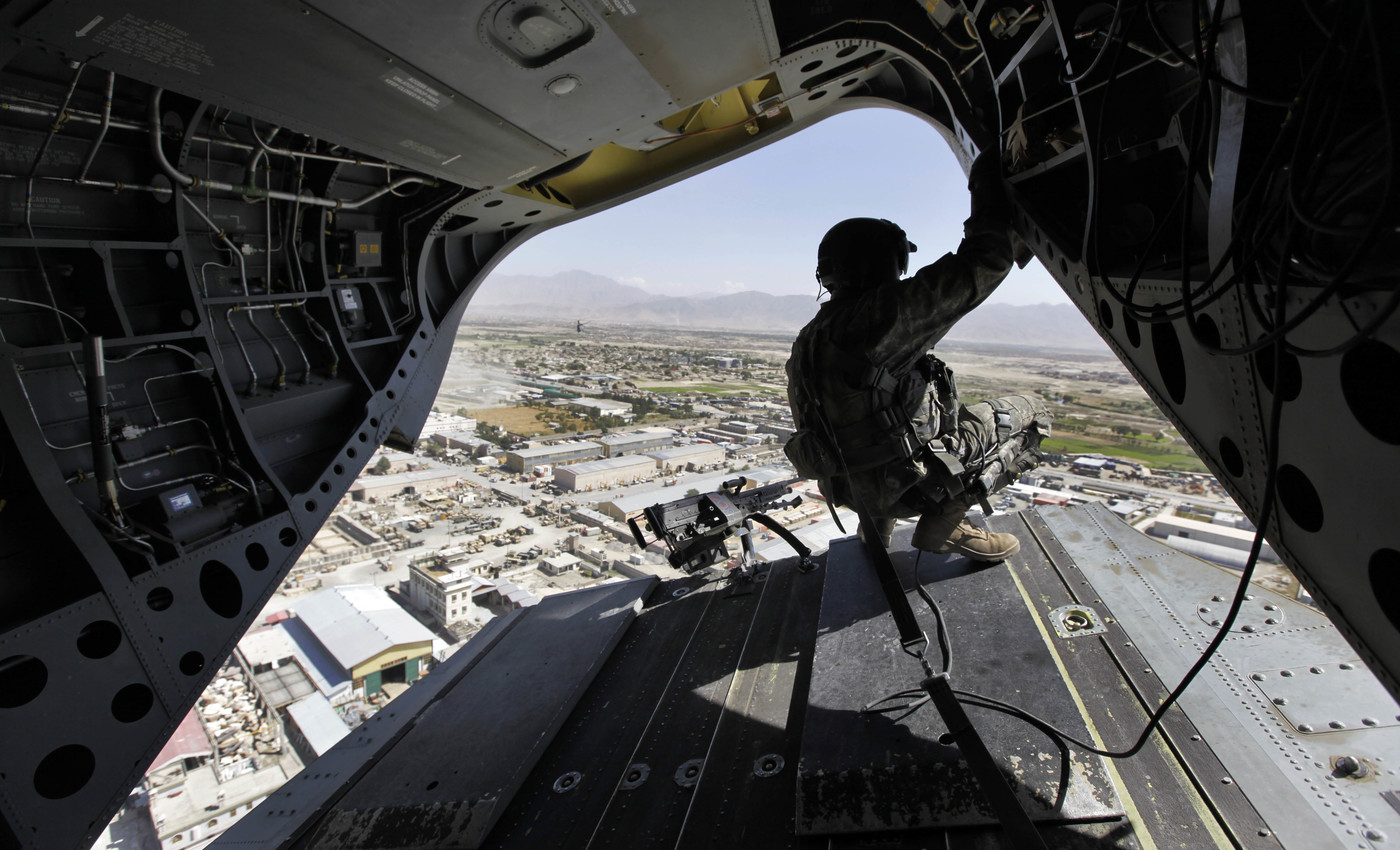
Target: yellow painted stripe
1203	812
1140	830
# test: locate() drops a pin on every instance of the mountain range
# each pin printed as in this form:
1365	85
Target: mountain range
573	295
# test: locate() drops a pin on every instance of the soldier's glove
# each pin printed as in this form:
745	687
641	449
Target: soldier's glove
990	202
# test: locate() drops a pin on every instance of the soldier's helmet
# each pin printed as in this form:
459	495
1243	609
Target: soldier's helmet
862	252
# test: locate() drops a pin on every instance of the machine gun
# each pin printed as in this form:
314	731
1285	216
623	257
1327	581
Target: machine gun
696	527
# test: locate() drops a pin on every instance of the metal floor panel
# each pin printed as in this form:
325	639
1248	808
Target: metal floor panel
445	784
707	718
1289	774
878	772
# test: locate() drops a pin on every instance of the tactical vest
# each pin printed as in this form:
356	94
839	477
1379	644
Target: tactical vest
888	433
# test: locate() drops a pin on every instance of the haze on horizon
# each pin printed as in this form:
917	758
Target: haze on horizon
754	223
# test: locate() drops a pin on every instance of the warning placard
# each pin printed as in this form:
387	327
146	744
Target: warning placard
416	89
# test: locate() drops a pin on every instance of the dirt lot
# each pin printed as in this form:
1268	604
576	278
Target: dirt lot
516	420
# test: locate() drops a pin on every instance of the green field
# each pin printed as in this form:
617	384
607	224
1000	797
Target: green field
1166	457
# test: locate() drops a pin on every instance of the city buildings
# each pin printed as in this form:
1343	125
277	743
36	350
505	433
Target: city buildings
604	473
601	407
454	587
431	480
464	441
368	634
313	726
1220	542
520	460
444	583
693	456
227	755
616	445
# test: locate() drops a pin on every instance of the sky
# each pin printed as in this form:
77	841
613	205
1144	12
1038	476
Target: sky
754	223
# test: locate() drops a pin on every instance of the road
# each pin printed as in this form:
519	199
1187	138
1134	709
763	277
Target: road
1205	501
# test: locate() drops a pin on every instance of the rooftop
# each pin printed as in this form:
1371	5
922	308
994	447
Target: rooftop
586	446
757	734
290	638
627	462
682	451
357	622
285	683
178	807
601	403
454	574
405	479
189	740
632	437
318	722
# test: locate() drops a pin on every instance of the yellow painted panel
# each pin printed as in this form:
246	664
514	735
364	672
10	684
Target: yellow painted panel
396	655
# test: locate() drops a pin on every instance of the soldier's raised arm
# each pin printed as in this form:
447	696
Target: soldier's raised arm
939	294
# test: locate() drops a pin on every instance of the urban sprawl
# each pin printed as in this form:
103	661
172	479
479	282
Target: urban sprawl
520	486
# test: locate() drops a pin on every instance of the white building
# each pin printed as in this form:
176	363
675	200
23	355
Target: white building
602	407
520	460
692	456
616	445
444	586
556	564
1216	534
428	480
374	640
604	473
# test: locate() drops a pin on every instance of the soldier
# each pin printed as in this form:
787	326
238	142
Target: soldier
879	423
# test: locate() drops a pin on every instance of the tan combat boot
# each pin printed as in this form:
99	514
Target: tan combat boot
951	531
884	529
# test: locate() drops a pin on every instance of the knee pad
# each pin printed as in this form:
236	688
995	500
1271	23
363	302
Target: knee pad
1012	428
1016	414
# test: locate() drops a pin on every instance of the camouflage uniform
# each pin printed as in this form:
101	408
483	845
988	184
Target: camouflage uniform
891	326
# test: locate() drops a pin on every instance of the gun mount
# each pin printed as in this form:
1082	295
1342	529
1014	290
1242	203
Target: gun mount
695	528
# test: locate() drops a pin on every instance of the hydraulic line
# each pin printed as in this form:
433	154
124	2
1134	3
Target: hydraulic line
141	461
267	218
218	233
252	373
158	346
189	182
259	154
35	413
208	373
55	125
169	452
102	129
111	185
281	382
25	106
100	428
146	386
299	279
41	304
320	334
306	374
409	221
267	148
157	149
38	108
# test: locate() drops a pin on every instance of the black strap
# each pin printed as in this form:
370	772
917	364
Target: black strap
910	635
804	554
1018	825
